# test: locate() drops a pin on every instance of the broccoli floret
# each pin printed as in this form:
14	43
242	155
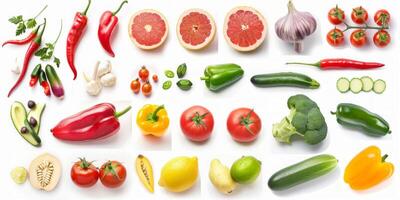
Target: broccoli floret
305	120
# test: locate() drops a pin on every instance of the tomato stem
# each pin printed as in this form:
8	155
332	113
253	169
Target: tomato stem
365	27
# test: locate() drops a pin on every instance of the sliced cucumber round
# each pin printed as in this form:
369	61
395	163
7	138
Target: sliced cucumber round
379	86
356	85
343	85
368	83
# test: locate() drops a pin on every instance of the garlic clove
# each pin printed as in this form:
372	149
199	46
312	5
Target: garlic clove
93	88
108	80
15	68
104	68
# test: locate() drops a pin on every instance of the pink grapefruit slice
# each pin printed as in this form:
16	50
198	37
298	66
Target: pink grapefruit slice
244	28
148	29
195	29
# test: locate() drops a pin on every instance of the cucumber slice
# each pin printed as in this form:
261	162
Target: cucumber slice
379	86
343	85
356	85
19	118
368	83
37	113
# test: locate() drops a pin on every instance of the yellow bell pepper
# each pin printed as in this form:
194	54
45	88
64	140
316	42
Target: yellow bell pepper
367	169
153	120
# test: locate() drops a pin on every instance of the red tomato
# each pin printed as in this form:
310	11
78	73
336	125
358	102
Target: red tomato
359	15
336	15
155	78
197	123
146	89
358	38
144	73
382	17
382	38
244	125
335	37
135	86
112	174
84	174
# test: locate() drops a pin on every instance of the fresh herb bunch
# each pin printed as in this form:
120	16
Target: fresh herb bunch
46	52
23	24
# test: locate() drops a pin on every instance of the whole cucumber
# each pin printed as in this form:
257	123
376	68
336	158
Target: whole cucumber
355	116
302	172
285	79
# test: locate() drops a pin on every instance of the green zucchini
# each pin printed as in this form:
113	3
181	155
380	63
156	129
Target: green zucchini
367	83
343	85
356	85
284	79
379	86
302	172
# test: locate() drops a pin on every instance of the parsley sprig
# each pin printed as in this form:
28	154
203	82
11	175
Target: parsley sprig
46	52
23	24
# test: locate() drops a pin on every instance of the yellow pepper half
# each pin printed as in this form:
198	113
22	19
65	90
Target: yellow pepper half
153	120
367	169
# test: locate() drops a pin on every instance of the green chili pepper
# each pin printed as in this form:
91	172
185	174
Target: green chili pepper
355	116
184	84
166	85
169	74
181	71
218	77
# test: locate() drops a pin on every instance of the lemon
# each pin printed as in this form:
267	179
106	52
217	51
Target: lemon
179	174
19	174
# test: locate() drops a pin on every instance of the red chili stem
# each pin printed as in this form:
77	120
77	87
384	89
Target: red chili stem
119	8
87	8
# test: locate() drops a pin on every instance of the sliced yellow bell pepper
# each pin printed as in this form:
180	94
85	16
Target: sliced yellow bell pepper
153	120
367	169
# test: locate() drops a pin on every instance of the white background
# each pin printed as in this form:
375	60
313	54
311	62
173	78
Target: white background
270	104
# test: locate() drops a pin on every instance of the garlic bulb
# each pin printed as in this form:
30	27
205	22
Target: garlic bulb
295	27
104	68
108	80
93	86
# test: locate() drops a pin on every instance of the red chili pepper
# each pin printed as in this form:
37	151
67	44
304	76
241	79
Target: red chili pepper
44	83
74	36
96	122
35	44
26	40
108	22
35	75
341	63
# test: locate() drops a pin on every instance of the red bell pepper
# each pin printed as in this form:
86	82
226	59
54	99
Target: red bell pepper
108	22
96	122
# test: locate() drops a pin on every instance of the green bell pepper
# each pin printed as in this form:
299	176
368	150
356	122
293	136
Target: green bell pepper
218	77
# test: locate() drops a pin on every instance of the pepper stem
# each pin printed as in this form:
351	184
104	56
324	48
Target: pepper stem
59	33
38	38
41	11
119	114
204	78
384	157
333	113
153	115
119	8
87	7
317	64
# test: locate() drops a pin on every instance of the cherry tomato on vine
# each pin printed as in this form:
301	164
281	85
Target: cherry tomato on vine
112	174
135	86
144	73
382	17
244	125
358	38
335	37
146	89
381	38
155	78
359	15
197	123
84	173
336	15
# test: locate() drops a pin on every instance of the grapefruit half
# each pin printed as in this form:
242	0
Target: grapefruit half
148	29
244	28
195	29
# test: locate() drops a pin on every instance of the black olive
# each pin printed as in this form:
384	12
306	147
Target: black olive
24	130
32	122
31	104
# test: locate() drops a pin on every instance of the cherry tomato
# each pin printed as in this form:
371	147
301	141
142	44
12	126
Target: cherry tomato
359	15
335	37
382	38
112	174
197	123
244	125
155	78
358	38
135	86
84	174
146	89
336	15
382	17
144	73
